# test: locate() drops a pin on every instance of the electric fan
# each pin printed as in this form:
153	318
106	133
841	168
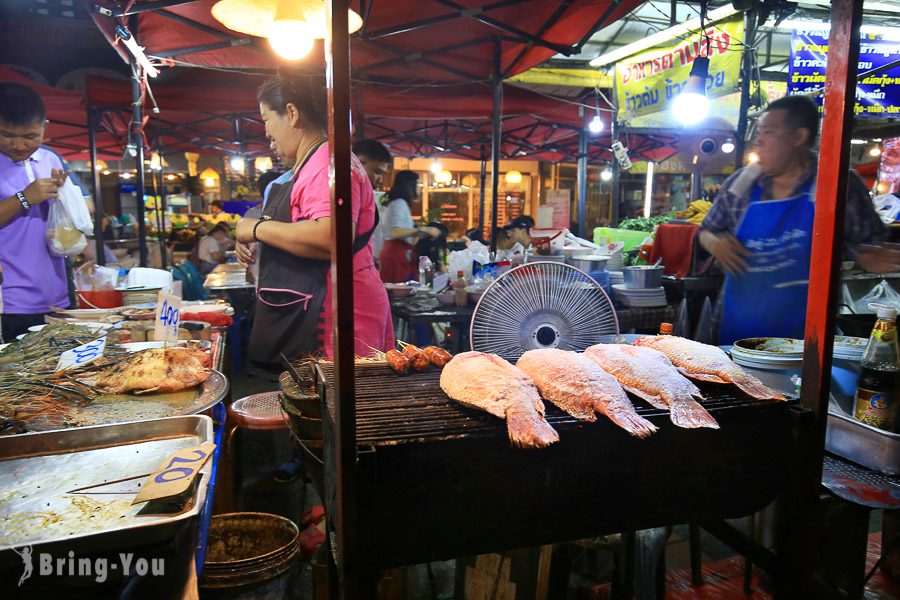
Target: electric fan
541	305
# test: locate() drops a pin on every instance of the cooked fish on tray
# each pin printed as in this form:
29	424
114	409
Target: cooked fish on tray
707	363
156	370
648	374
489	383
578	386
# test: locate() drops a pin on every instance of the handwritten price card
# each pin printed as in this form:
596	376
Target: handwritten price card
82	355
175	475
168	316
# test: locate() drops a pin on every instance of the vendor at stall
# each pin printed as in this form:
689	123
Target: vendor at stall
293	313
759	229
210	250
397	258
33	278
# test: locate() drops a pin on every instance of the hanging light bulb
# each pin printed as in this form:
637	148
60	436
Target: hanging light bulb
435	167
443	177
237	164
605	175
314	13
752	157
254	17
210	177
289	34
155	161
692	106
728	146
596	124
263	164
513	177
875	151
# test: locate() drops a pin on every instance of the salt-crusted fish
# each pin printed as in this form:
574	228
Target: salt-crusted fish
648	374
489	383
707	363
577	385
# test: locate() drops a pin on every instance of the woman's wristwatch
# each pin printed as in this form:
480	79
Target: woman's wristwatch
26	205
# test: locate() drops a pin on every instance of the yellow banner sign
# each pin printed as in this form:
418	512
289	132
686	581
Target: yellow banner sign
649	82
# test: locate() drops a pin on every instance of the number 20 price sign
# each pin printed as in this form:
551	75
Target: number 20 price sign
168	316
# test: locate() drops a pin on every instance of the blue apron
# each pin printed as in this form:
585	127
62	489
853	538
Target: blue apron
769	300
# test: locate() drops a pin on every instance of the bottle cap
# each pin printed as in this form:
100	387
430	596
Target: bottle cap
459	273
885	312
665	329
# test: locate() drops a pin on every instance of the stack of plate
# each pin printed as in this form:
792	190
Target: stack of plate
616	277
639	298
849	348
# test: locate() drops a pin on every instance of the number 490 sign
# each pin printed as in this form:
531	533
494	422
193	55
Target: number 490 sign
168	316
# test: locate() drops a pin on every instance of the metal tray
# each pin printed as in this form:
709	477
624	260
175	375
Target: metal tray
863	444
124	408
38	470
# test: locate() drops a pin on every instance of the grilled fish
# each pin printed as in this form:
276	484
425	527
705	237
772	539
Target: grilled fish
707	363
577	385
156	370
489	383
648	374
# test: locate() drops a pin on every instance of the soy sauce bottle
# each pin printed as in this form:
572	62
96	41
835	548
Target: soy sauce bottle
878	386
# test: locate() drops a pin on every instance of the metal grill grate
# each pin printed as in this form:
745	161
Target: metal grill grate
391	409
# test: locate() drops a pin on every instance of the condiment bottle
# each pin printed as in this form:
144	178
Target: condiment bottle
665	329
426	271
877	389
460	296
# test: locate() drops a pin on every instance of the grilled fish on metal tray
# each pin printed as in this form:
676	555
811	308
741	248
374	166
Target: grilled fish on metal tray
156	370
577	385
648	374
489	383
707	363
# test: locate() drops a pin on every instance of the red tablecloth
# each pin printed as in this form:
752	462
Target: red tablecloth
674	243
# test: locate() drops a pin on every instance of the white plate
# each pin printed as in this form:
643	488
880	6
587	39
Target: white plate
86	313
37	327
620	287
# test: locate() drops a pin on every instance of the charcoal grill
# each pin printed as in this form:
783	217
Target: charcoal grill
437	480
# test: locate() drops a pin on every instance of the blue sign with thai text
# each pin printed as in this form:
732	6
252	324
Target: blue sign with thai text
877	96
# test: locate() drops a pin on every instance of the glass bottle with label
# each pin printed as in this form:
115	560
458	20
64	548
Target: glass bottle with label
879	381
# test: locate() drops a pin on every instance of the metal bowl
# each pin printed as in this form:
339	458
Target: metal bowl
642	276
590	262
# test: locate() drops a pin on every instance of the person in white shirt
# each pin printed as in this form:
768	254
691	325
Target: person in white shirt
210	250
400	231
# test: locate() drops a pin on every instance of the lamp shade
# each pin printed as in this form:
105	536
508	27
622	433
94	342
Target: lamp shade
210	177
263	164
470	181
443	176
254	17
513	177
101	164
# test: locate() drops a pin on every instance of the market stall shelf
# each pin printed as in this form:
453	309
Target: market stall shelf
439	481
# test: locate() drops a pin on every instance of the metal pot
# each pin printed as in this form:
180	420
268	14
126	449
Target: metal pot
642	276
589	262
573	252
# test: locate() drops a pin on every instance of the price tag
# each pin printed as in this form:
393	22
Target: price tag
168	316
82	355
176	474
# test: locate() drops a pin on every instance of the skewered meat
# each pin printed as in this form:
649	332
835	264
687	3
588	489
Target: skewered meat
156	370
416	357
397	362
438	356
648	374
577	385
707	363
489	383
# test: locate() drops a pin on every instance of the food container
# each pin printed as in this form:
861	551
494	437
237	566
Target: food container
863	444
140	295
643	276
571	252
446	298
590	262
99	298
398	290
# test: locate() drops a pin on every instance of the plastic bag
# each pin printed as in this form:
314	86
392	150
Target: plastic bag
462	259
882	293
63	238
71	197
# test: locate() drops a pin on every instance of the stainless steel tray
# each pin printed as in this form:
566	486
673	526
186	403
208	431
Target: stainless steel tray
38	470
863	444
106	410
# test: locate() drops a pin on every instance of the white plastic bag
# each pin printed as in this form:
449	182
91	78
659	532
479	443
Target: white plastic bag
70	196
63	238
882	293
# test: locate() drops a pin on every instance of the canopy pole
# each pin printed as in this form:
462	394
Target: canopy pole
98	196
497	83
137	138
802	514
740	144
354	578
614	208
582	175
483	190
163	201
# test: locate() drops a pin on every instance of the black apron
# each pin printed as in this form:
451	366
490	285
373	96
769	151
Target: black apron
290	291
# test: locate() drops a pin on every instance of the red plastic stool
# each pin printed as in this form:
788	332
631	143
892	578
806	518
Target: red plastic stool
257	411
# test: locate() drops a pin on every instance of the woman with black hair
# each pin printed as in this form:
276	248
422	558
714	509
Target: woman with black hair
397	256
434	248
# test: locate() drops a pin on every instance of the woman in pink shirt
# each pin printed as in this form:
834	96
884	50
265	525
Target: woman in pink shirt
293	309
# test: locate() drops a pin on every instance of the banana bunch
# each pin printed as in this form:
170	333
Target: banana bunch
695	211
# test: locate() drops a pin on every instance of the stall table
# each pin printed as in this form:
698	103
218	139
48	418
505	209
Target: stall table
459	318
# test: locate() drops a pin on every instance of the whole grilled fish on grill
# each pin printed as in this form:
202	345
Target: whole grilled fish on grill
156	370
489	383
577	385
648	374
707	363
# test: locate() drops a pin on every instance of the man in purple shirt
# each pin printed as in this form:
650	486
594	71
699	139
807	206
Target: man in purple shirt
33	278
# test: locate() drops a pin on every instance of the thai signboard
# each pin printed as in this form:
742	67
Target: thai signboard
650	81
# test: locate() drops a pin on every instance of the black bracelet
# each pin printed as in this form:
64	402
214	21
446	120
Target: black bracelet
26	205
262	220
